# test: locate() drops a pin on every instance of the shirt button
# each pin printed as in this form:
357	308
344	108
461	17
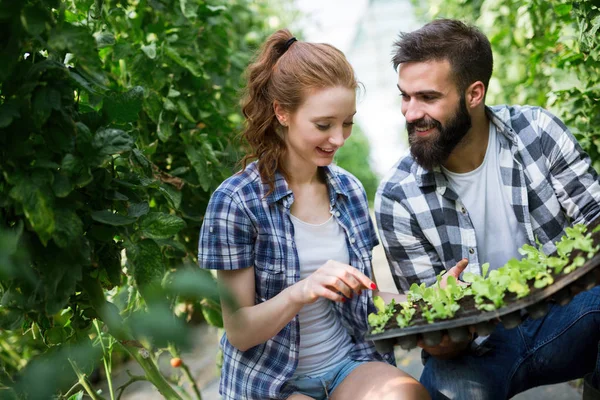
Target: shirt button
471	251
352	240
337	213
463	210
210	229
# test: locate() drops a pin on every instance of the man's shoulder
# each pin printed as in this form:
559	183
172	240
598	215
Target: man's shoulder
402	176
521	117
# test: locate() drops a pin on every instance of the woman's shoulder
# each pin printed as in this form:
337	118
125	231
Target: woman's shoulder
246	181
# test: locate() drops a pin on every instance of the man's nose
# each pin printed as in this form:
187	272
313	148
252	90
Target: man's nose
412	111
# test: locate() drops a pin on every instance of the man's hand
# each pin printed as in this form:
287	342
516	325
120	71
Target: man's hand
455	272
447	349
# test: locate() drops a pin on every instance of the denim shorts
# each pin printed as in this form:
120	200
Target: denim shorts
321	387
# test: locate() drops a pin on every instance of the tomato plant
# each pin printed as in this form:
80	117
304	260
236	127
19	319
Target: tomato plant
117	120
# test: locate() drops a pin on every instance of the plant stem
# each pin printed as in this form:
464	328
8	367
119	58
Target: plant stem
83	382
11	352
107	363
152	373
188	374
70	391
133	378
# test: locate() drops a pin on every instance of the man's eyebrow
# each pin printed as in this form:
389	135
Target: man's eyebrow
422	92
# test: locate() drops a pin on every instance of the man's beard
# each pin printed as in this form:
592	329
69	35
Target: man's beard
434	149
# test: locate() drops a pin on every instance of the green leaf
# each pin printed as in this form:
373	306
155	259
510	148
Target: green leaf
35	196
124	107
35	20
212	316
158	225
44	101
112	141
563	9
104	39
164	129
62	185
172	195
8	112
69	228
110	218
148	264
137	210
160	327
188	65
195	284
150	50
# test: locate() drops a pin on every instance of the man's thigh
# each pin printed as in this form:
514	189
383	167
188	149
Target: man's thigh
559	347
472	376
563	345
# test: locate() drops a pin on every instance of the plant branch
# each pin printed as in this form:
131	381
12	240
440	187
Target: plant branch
132	379
83	382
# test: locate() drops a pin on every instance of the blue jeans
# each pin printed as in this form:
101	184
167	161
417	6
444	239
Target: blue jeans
562	346
321	387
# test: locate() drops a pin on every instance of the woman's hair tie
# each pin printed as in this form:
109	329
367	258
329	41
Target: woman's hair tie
289	42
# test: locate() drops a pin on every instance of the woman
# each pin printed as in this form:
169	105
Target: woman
291	238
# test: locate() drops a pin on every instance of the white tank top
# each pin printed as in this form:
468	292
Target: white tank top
497	231
324	341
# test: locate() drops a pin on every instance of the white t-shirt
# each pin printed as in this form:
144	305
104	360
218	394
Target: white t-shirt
324	341
497	231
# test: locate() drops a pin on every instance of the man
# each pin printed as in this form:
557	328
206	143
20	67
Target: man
480	182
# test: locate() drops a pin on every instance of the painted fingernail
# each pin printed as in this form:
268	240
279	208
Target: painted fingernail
343	299
373	286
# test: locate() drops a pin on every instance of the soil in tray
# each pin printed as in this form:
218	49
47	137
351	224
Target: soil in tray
467	303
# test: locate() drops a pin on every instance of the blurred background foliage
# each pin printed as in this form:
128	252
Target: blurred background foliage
546	53
355	157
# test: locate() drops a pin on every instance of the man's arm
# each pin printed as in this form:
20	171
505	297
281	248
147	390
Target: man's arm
404	244
573	178
409	260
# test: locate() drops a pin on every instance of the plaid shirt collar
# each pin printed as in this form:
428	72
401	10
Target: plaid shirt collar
282	192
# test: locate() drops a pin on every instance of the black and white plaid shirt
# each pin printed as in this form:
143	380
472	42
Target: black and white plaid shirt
548	179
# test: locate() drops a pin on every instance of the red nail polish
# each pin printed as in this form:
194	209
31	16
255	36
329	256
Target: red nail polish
343	299
373	286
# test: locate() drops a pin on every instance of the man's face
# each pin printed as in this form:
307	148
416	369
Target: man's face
437	118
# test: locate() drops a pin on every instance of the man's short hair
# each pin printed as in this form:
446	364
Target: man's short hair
465	47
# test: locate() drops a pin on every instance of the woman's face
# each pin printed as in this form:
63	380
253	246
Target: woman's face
319	127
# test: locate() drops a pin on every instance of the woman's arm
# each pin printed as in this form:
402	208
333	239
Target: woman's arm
252	324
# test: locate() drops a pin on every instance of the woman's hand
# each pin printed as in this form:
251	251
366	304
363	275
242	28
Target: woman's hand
334	281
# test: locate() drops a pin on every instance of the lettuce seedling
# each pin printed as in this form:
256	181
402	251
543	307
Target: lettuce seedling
384	313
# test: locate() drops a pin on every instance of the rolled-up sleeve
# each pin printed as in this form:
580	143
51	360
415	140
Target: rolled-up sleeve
227	235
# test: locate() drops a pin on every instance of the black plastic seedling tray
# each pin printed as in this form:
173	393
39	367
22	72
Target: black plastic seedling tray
482	322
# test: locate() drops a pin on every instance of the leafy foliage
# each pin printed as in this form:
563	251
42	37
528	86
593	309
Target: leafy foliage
117	119
546	53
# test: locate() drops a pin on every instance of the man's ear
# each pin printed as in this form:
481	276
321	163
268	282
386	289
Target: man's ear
475	94
280	113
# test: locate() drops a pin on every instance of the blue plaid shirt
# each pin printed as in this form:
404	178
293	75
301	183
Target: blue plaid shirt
242	228
547	178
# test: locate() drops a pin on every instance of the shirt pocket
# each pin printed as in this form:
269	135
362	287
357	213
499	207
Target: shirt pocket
270	264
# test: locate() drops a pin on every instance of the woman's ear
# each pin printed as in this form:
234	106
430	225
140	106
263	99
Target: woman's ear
280	113
475	94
